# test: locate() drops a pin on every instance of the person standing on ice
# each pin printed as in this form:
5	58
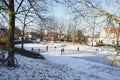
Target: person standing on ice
46	48
62	50
55	47
78	48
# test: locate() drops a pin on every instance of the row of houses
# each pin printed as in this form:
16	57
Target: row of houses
107	35
52	36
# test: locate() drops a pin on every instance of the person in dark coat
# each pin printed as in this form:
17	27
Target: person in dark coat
62	51
55	47
78	48
46	48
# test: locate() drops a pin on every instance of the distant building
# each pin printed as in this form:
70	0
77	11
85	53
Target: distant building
53	36
95	39
108	35
33	36
61	37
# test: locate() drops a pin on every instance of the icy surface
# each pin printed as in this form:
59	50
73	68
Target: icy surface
89	63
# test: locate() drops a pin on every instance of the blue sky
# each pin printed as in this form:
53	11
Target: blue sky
60	11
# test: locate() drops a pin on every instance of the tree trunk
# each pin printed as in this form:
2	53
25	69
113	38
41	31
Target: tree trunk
118	34
23	34
74	35
93	36
11	34
60	36
22	41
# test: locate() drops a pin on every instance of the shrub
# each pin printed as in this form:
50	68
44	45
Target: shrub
4	39
28	53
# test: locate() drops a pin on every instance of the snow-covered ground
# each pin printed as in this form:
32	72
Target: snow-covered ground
89	63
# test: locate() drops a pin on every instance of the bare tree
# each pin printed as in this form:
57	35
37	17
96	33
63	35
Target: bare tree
86	8
26	20
81	38
69	33
9	7
13	8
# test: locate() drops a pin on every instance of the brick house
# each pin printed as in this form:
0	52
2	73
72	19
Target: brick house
53	36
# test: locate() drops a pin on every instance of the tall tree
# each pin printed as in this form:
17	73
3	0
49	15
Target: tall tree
9	7
61	29
13	8
80	36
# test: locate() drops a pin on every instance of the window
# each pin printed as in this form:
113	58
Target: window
113	41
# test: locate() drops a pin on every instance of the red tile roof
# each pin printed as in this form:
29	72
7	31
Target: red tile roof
111	30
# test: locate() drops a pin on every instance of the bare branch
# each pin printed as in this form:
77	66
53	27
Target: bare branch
105	13
21	11
4	9
5	3
18	6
